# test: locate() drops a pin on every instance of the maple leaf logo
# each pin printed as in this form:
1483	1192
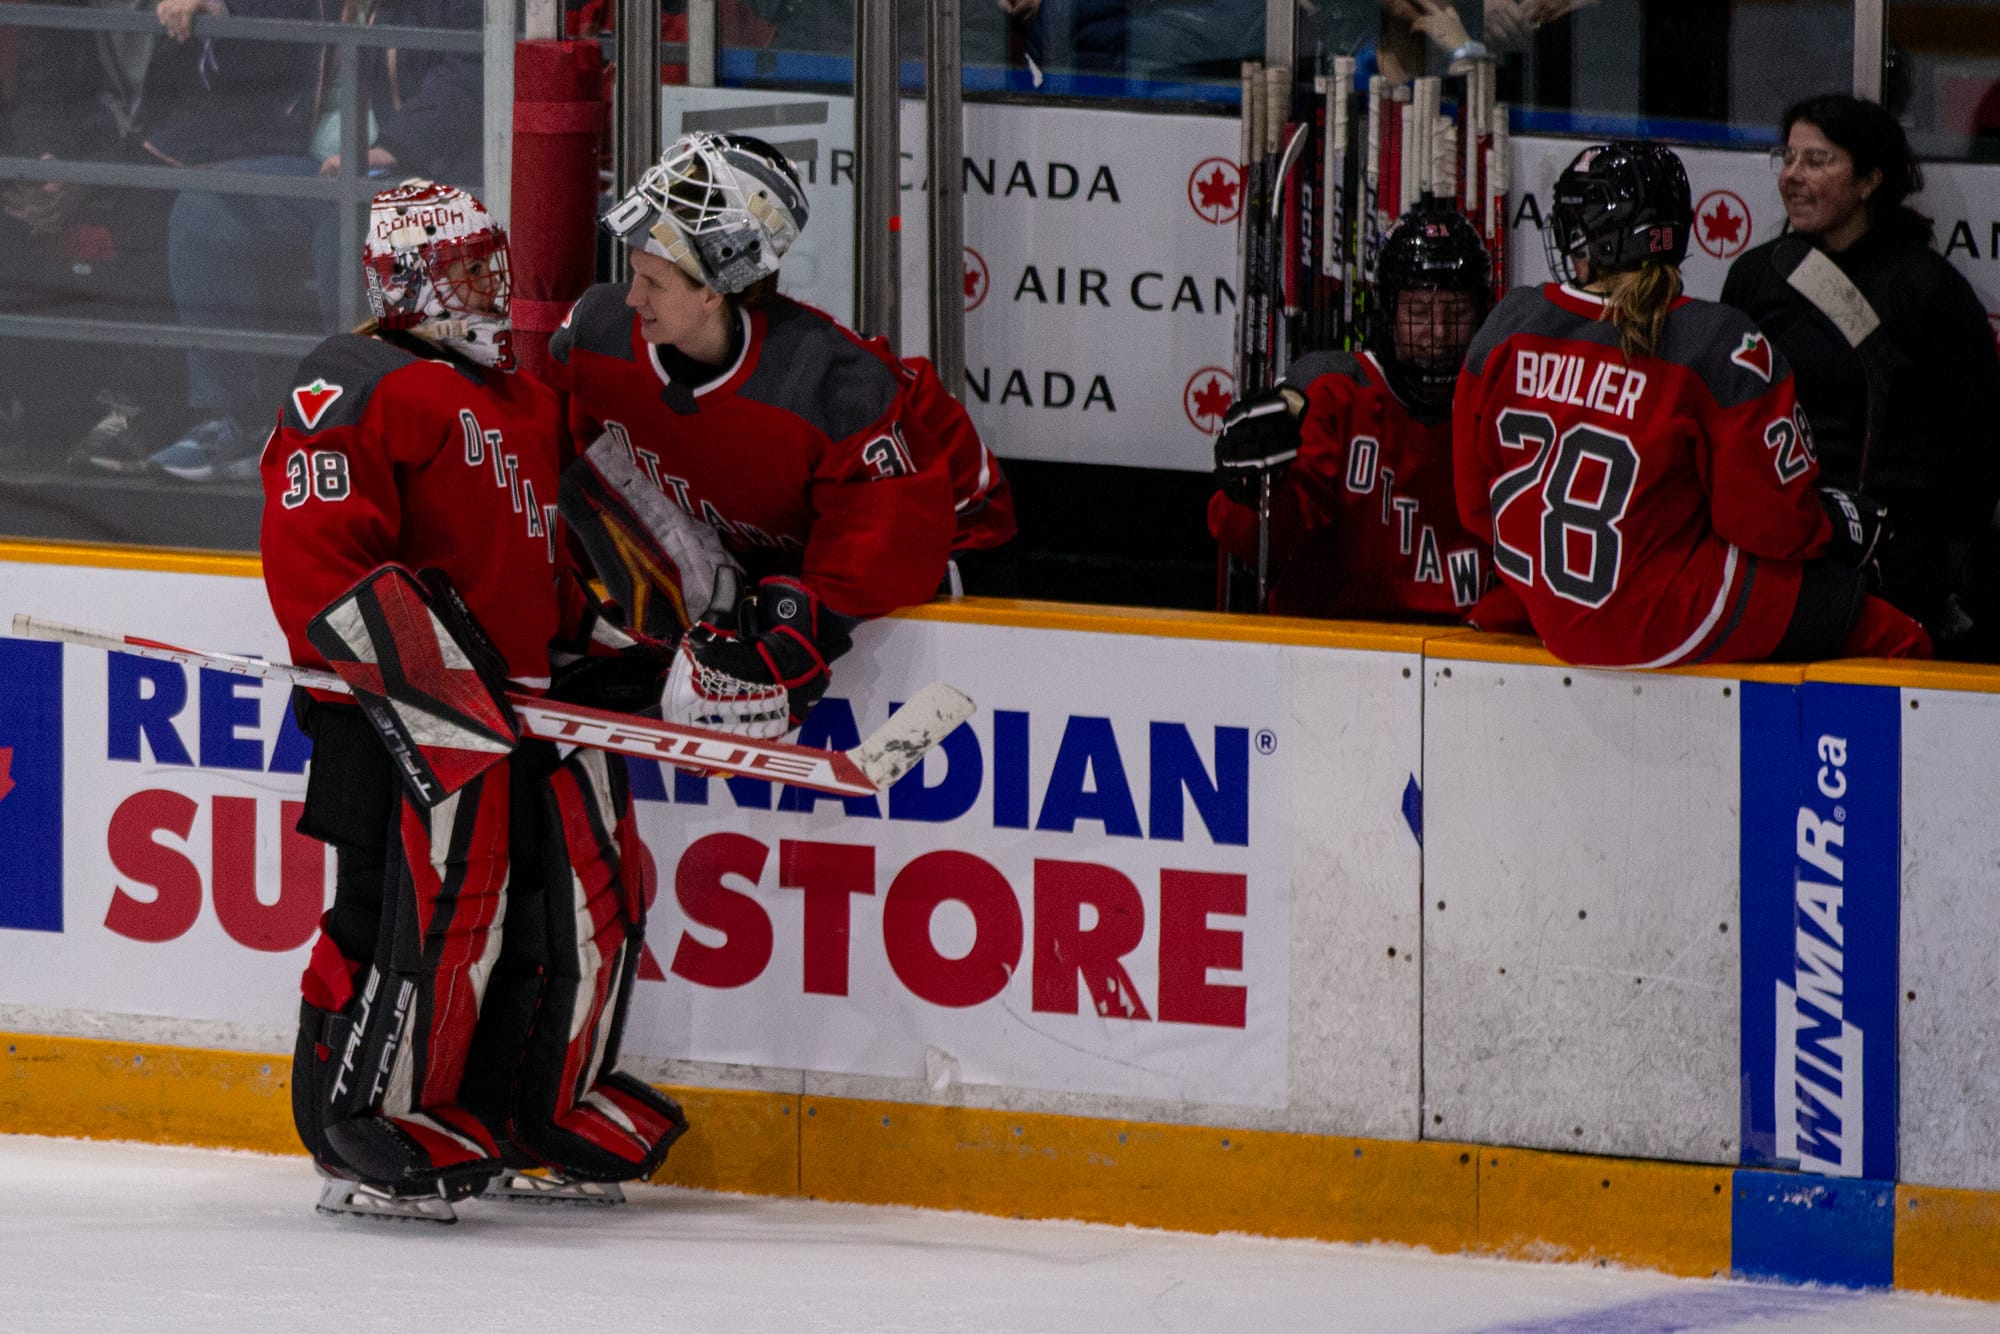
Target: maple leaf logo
1722	226
1215	190
1208	394
1211	400
978	279
1723	223
6	771
312	401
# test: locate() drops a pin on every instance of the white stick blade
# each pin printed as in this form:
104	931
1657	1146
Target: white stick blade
899	745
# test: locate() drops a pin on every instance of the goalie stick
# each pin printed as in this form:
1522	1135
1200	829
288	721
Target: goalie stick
891	751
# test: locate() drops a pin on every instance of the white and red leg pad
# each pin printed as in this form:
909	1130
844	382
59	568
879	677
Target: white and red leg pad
382	1049
571	1109
424	676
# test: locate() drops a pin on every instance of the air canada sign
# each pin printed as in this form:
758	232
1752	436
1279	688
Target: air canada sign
1079	897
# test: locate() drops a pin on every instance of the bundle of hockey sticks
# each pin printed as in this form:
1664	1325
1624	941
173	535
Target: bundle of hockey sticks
893	750
1327	171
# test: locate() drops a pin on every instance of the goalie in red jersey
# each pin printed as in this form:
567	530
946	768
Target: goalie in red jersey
839	478
464	998
1637	458
1357	448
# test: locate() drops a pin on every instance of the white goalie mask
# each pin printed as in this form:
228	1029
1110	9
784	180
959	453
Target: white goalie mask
436	266
723	207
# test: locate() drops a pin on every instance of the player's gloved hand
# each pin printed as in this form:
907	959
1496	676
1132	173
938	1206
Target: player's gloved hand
759	666
1860	526
1260	436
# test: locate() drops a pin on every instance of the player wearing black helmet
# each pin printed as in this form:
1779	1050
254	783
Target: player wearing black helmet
1637	461
1358	448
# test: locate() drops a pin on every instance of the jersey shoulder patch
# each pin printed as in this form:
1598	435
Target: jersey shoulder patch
1523	310
332	386
1730	355
811	367
599	322
1313	365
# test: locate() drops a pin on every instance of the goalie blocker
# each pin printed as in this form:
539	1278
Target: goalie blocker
463	1004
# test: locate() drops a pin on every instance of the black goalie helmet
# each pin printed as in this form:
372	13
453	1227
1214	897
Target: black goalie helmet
1421	343
1619	206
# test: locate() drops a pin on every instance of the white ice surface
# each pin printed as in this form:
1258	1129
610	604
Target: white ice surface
116	1237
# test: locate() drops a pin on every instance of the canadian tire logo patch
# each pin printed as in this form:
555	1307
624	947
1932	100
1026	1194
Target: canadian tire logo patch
312	401
1754	355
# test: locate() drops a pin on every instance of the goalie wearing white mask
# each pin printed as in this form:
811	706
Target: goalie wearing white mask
839	479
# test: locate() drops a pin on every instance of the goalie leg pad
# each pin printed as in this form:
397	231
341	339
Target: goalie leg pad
425	677
568	1108
382	1049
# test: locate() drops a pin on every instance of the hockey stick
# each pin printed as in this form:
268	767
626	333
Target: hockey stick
893	749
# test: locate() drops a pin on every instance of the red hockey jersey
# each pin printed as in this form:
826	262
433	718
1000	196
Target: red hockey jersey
1363	522
1649	513
384	455
806	455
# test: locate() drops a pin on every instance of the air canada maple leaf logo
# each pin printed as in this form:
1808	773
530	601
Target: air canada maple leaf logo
1722	224
1208	394
1215	190
1754	355
312	401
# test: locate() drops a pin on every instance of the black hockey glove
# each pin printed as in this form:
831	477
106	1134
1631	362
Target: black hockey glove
605	666
1260	436
1860	527
760	668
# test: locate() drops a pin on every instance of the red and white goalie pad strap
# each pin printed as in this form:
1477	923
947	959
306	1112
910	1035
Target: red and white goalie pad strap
423	676
658	562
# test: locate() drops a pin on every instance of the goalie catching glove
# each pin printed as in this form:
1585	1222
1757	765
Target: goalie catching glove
1260	436
758	666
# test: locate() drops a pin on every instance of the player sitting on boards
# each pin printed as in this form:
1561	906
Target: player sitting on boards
464	998
1357	448
840	478
1639	462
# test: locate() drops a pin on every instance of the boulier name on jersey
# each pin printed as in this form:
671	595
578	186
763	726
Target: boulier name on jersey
1583	382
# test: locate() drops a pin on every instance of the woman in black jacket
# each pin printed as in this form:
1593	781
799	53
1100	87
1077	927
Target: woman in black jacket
1906	413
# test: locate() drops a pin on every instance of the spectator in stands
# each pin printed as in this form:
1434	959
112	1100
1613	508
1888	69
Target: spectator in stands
827	26
75	250
232	256
212	101
1910	415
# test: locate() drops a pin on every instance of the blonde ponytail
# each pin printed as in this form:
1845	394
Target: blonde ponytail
1637	300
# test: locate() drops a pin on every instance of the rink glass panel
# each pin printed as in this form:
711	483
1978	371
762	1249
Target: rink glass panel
136	306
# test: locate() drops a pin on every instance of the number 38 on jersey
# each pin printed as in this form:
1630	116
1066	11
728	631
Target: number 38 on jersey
314	473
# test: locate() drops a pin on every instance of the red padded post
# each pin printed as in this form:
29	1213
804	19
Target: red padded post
560	114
